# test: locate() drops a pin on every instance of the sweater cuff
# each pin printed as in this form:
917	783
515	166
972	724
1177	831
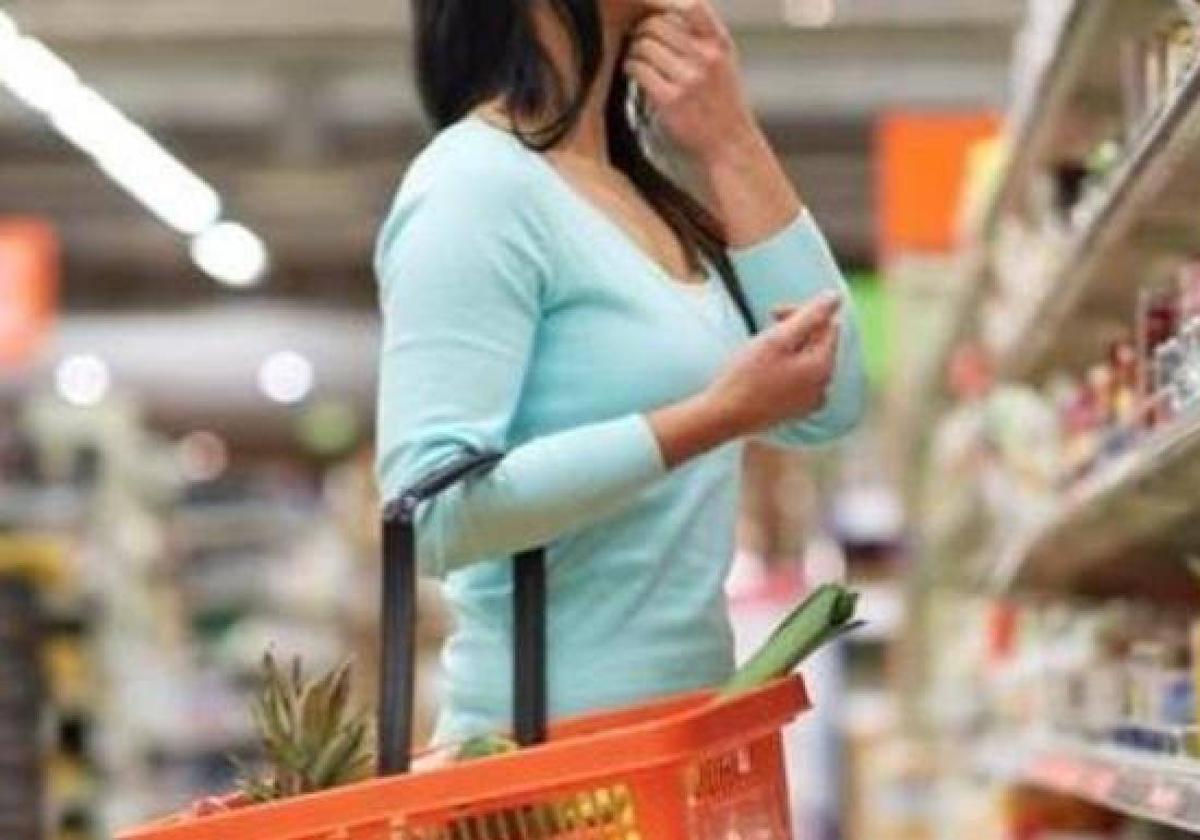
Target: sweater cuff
788	267
642	447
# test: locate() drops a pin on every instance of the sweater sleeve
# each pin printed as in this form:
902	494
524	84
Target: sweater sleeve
462	275
791	267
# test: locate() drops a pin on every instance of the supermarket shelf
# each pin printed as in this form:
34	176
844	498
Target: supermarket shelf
881	606
50	508
957	532
930	389
1089	281
1127	528
1161	790
1036	119
216	525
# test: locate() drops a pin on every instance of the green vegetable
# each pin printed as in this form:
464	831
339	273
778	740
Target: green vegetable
826	614
484	746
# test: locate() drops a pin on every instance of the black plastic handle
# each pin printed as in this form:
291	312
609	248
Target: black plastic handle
397	689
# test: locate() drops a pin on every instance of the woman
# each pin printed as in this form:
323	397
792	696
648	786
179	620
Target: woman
548	293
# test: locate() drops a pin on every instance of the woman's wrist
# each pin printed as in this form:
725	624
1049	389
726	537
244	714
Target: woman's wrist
692	427
734	148
748	186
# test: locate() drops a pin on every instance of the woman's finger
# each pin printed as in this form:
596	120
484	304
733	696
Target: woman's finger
703	19
822	352
802	326
656	86
669	64
667	6
670	31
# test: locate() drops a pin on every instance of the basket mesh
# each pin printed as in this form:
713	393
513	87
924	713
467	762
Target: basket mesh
605	813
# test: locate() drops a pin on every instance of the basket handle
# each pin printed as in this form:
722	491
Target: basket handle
397	690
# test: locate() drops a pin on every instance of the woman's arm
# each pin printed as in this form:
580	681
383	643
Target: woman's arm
686	63
461	287
792	267
463	281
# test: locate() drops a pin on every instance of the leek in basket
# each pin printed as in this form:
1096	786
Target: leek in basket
825	615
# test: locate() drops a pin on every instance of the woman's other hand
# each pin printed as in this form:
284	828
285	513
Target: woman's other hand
780	375
684	59
784	373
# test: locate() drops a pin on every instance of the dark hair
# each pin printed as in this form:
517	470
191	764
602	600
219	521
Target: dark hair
469	52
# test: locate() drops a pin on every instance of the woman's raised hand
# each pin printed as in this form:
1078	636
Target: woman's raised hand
683	58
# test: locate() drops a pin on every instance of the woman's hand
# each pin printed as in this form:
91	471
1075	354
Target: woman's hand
684	59
784	373
780	375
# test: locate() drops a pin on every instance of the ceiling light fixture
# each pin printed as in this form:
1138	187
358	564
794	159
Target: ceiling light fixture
127	153
82	380
231	253
286	377
809	14
8	29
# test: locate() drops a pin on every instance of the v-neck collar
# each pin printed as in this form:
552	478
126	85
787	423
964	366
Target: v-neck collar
587	207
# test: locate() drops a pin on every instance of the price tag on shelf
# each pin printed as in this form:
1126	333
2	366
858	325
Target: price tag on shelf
1189	810
1101	782
1164	799
1132	788
1058	772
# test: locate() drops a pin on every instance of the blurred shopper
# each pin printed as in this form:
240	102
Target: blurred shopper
549	293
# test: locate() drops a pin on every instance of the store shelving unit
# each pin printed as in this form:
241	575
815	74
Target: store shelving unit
1084	298
1125	529
1160	790
1149	197
928	393
1096	203
1037	115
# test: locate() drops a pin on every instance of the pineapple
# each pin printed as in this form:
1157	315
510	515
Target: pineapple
311	739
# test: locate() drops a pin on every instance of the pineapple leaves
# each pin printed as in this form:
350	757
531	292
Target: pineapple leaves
311	739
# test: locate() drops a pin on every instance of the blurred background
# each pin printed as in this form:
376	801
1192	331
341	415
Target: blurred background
189	194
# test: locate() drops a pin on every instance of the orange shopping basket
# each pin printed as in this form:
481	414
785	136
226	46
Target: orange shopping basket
689	767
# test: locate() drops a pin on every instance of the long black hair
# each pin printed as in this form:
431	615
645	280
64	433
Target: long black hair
469	52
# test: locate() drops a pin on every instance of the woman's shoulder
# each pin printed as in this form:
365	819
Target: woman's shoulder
471	183
477	164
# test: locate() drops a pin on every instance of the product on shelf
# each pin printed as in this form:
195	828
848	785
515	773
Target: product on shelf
21	707
1083	166
1117	675
1146	384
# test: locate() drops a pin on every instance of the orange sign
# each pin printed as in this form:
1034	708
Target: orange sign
29	265
920	174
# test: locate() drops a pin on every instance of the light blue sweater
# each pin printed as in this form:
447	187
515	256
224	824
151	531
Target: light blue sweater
520	318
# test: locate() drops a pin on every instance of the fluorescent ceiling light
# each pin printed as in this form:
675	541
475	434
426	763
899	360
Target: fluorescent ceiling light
231	254
8	29
809	14
133	159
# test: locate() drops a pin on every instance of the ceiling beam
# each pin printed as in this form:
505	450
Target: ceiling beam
116	22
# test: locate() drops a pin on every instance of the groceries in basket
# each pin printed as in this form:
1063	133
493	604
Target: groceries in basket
313	741
311	738
824	616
